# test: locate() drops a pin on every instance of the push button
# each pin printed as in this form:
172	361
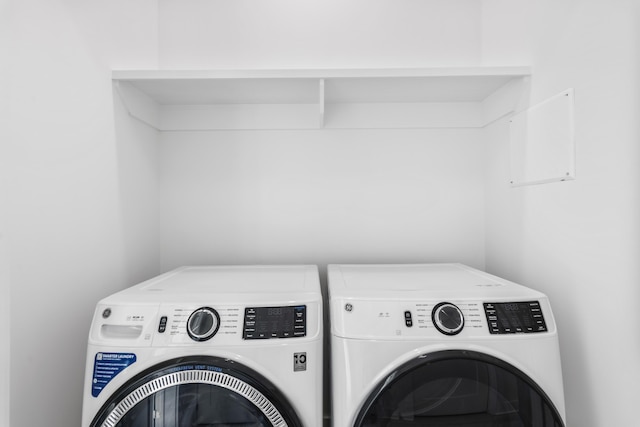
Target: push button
408	321
163	324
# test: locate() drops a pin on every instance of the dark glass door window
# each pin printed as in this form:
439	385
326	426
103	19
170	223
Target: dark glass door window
458	388
192	405
189	393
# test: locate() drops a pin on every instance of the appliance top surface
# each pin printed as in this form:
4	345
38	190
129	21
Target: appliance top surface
228	282
401	281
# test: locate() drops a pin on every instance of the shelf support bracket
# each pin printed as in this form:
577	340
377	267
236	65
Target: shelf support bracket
138	105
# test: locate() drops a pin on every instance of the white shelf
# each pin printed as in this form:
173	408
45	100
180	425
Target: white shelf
172	100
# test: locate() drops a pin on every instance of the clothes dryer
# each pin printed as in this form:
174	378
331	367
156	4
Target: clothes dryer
441	345
208	346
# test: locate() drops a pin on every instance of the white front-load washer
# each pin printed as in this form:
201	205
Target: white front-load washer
441	345
208	346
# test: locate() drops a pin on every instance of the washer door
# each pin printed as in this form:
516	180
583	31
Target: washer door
197	391
458	388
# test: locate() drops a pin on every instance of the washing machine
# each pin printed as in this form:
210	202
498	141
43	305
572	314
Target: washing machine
208	346
441	345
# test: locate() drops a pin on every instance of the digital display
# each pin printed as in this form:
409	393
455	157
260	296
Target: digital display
275	311
275	322
515	317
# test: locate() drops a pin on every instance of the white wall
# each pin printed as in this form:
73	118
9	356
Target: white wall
70	196
322	196
578	241
318	33
250	222
5	294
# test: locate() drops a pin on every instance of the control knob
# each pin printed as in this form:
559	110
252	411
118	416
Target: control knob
447	318
203	324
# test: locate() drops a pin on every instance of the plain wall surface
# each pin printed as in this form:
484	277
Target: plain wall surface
318	33
5	289
69	206
322	196
578	241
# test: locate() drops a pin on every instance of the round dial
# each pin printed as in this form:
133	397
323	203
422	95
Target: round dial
447	318
203	324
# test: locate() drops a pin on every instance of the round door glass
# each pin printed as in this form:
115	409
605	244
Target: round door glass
194	405
456	388
197	391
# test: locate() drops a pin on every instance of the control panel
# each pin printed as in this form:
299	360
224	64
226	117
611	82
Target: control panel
515	317
275	322
440	319
185	324
216	324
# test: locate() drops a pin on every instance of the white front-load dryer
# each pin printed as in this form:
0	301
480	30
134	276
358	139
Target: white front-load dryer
208	346
441	345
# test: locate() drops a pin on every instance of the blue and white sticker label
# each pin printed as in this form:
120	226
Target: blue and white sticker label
105	368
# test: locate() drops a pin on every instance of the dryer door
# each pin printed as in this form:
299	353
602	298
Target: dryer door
197	391
458	388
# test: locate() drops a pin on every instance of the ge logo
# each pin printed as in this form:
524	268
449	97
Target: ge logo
348	307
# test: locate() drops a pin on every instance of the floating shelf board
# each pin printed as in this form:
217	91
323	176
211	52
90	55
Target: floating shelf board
327	73
166	91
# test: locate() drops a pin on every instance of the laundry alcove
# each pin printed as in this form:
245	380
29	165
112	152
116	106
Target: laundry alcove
281	166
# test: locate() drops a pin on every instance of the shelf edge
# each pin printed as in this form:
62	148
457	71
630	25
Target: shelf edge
479	71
